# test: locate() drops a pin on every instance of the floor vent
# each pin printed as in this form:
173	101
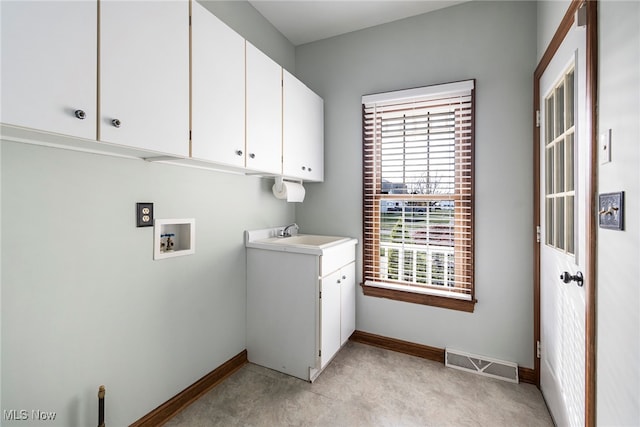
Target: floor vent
481	365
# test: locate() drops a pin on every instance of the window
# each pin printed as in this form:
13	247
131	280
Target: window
559	165
418	195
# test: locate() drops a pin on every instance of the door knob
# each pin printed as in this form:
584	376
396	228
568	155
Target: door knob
578	278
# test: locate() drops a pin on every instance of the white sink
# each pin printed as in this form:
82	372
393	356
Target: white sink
306	240
302	243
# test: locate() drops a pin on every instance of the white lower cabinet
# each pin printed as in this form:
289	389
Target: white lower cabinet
347	302
337	311
300	308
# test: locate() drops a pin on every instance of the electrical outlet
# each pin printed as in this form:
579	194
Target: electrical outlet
144	214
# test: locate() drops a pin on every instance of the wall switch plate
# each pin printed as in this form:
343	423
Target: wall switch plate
605	147
611	210
144	214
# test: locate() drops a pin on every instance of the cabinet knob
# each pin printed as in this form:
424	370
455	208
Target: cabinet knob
116	123
252	155
339	281
304	168
80	114
344	277
309	169
239	152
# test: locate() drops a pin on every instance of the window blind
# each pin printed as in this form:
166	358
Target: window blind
418	189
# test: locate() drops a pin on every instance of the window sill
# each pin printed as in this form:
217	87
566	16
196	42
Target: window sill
419	298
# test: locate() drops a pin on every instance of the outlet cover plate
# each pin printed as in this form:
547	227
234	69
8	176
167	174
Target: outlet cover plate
605	147
144	214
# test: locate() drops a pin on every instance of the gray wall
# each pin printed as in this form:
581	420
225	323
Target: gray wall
495	43
618	294
618	256
83	302
246	20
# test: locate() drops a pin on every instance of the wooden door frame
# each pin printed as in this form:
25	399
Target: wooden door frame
591	193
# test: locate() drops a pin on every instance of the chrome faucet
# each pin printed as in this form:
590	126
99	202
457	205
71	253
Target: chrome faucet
286	232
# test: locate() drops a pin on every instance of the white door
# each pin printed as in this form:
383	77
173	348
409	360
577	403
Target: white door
564	146
217	94
347	302
329	317
144	74
264	112
49	63
303	130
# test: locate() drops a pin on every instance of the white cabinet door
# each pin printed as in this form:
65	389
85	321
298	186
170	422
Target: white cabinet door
217	89
303	131
263	112
49	63
347	302
329	317
144	74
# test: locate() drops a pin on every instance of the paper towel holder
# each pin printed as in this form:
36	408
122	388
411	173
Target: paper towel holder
290	190
280	180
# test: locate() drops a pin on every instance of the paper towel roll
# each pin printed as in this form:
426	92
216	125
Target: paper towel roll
289	191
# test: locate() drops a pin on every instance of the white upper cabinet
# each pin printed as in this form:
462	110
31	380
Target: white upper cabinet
303	131
136	78
144	75
49	62
263	112
217	90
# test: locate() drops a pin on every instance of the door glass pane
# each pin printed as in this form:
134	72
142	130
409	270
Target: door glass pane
560	223
549	221
570	225
559	110
569	161
559	172
549	116
549	170
569	100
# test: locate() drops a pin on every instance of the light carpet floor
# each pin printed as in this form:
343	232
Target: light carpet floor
367	386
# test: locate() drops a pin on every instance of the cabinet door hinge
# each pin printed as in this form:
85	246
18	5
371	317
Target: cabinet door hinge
319	353
320	294
538	351
537	118
538	233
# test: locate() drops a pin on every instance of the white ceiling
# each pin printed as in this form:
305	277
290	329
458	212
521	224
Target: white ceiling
305	21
